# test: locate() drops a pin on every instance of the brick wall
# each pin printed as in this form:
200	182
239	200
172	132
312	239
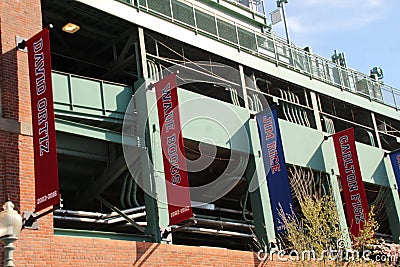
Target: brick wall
76	251
22	18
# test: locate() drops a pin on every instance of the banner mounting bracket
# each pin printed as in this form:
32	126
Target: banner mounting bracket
30	218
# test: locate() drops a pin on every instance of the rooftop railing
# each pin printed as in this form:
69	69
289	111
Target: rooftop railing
270	47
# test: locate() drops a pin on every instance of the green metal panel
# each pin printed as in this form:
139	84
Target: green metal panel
306	147
247	39
206	22
372	166
61	91
162	7
116	99
142	2
212	121
303	146
86	95
227	30
183	13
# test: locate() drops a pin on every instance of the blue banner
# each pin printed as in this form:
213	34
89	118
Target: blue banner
274	165
395	159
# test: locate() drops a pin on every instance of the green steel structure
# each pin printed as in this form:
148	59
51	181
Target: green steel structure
122	45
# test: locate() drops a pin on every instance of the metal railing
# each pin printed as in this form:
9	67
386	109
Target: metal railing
270	47
74	94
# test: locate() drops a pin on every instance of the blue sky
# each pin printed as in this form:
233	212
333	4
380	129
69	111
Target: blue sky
367	31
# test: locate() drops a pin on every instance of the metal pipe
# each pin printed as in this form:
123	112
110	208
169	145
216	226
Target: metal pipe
215	218
77	219
231	211
222	223
132	216
122	194
208	231
97	214
127	211
135	188
80	213
245	204
129	191
90	220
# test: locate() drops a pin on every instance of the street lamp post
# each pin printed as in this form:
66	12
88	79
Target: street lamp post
280	3
10	227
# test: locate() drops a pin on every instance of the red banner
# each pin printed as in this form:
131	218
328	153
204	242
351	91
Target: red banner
44	133
352	183
178	193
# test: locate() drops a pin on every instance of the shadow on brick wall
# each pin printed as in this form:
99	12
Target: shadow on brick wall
143	252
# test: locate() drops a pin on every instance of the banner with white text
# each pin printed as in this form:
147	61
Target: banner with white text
274	165
395	160
351	180
43	125
177	181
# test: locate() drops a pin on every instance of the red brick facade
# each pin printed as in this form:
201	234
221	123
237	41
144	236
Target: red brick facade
69	251
19	18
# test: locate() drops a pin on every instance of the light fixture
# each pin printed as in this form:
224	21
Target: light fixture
10	227
376	73
71	27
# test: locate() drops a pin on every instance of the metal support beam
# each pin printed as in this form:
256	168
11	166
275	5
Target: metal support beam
261	206
376	130
97	187
244	87
392	202
339	207
144	118
122	214
122	61
143	58
314	104
259	195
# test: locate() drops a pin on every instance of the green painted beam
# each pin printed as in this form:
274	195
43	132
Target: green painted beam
392	202
91	131
260	201
154	214
339	207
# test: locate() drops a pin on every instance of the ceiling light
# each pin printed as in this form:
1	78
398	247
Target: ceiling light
70	27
